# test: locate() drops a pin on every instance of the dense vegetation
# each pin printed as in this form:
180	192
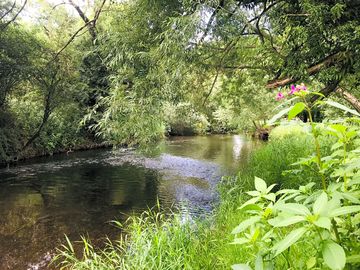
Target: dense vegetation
76	74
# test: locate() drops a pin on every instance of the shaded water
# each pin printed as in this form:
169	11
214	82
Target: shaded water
78	194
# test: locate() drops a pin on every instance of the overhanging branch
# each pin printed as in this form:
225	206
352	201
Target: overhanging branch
312	70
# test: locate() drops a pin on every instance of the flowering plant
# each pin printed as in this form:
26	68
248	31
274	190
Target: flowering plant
326	219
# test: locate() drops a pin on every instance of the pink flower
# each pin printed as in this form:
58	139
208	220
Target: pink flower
293	89
297	88
303	87
279	96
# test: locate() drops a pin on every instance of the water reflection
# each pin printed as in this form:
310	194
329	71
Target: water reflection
79	194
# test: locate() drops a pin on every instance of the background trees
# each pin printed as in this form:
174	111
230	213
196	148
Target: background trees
121	67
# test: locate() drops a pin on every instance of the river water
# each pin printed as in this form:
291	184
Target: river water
80	193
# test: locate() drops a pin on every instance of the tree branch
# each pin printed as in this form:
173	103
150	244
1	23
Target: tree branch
355	103
89	24
312	70
7	12
14	18
69	41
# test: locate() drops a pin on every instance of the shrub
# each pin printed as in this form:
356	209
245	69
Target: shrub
311	227
183	119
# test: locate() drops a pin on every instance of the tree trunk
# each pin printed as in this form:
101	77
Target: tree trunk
349	98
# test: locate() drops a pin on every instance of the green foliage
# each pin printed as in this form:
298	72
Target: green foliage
225	120
324	219
151	241
183	119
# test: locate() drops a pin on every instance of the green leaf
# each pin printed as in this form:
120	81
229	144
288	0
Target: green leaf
283	222
253	193
354	182
248	202
296	109
350	197
311	262
344	210
336	146
294	208
353	259
333	255
240	241
240	267
253	207
270	188
289	240
260	184
270	197
320	203
245	224
341	107
278	116
259	265
318	94
339	128
323	222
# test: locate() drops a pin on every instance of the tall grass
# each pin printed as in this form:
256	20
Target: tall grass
157	241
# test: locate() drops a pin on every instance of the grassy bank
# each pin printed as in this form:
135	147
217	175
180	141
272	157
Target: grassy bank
158	241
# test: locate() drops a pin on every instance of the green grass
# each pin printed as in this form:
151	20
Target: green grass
158	241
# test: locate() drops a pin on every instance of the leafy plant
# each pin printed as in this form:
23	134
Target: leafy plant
325	221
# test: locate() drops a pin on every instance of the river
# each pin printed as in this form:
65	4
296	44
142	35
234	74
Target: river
80	193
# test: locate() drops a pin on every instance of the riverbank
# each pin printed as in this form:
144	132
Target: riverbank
158	241
32	153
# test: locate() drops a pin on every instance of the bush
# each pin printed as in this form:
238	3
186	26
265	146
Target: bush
182	119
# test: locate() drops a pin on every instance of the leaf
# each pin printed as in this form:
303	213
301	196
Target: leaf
341	107
255	235
320	203
333	255
296	109
289	240
350	197
283	222
260	184
253	207
251	201
354	182
323	222
245	224
311	262
270	197
318	94
337	145
353	259
278	116
294	208
338	127
240	267
259	265
253	193
344	210
270	188
240	241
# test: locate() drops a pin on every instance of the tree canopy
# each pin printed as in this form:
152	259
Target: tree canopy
129	71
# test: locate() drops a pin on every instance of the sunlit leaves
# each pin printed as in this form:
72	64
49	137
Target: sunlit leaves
334	255
296	109
289	240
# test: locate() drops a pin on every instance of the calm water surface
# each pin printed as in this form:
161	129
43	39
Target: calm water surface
79	193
